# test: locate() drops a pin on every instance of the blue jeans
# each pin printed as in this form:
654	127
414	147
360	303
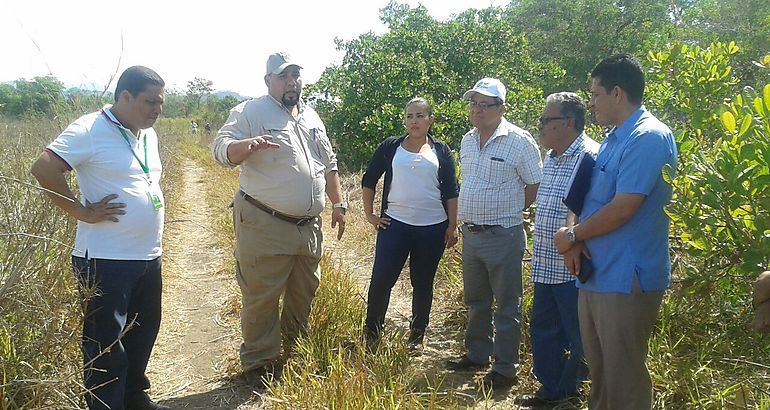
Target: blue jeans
424	246
492	276
557	352
125	291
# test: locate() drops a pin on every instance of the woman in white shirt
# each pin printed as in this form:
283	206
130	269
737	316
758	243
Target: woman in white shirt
417	219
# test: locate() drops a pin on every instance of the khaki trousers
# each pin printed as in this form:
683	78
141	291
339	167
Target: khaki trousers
274	258
615	329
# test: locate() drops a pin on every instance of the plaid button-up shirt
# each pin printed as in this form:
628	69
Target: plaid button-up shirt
494	176
551	214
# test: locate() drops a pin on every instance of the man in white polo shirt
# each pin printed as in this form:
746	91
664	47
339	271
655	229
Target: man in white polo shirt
501	171
117	255
287	164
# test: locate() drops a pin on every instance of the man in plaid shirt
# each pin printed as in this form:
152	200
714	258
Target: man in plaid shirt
557	352
501	170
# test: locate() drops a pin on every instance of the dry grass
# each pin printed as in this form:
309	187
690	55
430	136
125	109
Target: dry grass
701	357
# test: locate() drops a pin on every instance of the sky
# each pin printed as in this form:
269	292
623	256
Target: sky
85	42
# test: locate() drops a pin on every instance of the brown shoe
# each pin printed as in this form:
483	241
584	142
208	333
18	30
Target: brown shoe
463	363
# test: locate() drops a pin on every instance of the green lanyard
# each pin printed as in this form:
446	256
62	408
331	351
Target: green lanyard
144	166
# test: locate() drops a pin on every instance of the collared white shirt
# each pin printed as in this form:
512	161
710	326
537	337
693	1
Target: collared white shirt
103	162
551	213
291	178
494	176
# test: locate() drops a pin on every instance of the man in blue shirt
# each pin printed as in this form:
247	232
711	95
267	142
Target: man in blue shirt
623	228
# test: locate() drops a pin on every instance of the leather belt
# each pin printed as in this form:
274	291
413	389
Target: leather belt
280	215
473	228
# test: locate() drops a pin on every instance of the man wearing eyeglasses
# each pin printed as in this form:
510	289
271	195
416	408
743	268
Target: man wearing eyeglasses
624	227
557	353
501	171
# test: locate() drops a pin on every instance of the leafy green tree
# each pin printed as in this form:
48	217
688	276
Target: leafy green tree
198	89
746	22
362	99
577	34
722	188
39	96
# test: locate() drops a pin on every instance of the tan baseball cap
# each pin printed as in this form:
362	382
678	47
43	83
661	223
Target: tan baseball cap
278	62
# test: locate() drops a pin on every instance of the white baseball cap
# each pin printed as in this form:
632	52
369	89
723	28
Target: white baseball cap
278	62
491	87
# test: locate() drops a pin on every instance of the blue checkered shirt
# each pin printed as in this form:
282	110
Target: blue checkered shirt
494	176
551	214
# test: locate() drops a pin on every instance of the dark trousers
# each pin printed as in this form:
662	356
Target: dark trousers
121	322
424	246
557	352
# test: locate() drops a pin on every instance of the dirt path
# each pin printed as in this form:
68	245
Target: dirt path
197	348
190	358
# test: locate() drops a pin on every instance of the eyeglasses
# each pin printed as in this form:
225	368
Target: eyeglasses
482	105
545	120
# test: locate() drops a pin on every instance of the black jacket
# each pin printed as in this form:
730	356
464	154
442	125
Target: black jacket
382	162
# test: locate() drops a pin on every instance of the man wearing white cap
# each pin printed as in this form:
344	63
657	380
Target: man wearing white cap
287	163
501	171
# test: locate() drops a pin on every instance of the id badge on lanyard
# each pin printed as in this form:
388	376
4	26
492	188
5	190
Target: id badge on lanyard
153	190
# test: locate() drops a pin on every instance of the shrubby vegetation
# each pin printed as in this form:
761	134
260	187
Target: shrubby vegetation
707	78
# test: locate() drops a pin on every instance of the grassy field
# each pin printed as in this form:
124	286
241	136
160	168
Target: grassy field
703	355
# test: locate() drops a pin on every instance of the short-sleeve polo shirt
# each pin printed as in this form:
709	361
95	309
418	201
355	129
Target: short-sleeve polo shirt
104	164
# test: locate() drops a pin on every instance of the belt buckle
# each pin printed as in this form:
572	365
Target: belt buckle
474	228
304	221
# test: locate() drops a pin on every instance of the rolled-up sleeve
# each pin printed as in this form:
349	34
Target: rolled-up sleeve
236	128
328	157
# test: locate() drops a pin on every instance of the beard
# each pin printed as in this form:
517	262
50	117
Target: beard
290	99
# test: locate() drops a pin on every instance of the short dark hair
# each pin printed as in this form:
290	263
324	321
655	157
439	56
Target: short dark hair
624	71
136	79
570	105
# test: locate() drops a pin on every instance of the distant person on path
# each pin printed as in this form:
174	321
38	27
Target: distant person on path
501	171
624	228
193	127
287	164
557	353
117	254
207	128
417	218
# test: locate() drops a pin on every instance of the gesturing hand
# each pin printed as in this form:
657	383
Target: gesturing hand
260	143
103	210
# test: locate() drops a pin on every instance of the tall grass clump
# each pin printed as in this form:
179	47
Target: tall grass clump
334	367
40	312
40	304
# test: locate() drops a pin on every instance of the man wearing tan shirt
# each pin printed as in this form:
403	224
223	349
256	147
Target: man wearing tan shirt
287	163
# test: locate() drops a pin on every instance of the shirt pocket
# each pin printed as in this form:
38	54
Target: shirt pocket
318	144
603	184
497	170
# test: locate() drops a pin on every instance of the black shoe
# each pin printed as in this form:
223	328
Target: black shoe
464	363
258	378
533	400
371	339
416	337
496	381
